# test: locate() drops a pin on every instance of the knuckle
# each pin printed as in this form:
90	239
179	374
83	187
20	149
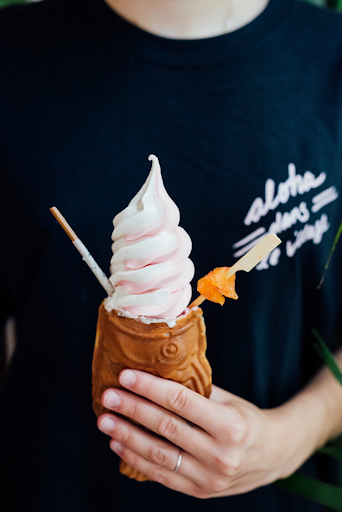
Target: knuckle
201	494
178	399
217	484
157	455
232	470
227	466
240	431
129	457
167	426
157	476
220	464
233	426
148	387
133	409
124	435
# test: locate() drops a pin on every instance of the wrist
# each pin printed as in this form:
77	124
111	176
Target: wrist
299	430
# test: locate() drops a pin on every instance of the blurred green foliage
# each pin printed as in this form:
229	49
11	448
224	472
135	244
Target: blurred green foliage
9	2
337	4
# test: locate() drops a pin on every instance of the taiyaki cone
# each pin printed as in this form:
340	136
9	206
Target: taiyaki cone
175	353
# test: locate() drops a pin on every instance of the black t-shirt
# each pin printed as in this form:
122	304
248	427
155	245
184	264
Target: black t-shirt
247	127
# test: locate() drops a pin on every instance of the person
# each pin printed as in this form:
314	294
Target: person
241	102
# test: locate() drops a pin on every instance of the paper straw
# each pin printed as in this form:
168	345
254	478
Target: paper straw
86	256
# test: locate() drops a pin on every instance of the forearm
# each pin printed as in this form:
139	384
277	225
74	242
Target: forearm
312	417
325	392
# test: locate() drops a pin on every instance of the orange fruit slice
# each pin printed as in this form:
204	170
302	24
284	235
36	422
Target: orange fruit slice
215	286
218	280
207	290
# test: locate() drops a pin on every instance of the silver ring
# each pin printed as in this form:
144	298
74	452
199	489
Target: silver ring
178	462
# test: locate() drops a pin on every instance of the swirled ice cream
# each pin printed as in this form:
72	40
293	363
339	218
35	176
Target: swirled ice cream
150	267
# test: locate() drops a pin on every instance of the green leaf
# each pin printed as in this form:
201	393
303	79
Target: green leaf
337	4
4	3
327	356
336	442
314	490
331	450
333	3
338	234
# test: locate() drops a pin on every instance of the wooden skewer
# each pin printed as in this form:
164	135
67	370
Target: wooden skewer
248	261
197	302
86	256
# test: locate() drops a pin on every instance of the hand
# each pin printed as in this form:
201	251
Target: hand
228	445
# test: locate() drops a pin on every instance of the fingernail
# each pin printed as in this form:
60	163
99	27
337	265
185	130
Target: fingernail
127	378
116	446
107	425
111	399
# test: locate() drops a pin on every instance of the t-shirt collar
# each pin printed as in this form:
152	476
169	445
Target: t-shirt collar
138	43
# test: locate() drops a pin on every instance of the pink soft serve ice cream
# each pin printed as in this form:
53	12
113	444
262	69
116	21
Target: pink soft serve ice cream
150	267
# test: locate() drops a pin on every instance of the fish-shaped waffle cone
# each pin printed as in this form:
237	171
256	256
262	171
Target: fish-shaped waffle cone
175	353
